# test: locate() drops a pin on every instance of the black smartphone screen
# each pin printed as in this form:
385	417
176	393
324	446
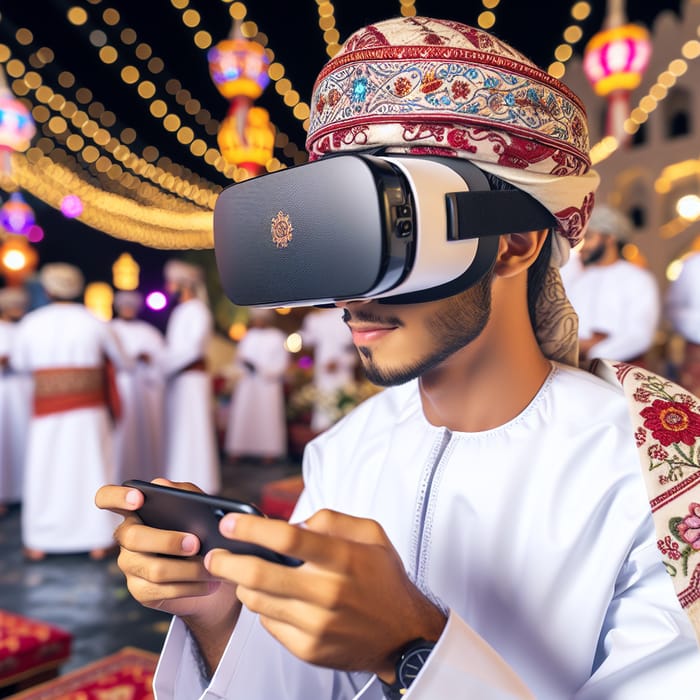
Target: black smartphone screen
168	508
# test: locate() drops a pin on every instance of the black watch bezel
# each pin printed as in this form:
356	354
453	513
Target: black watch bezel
411	660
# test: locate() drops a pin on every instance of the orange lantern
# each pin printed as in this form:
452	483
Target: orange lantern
18	259
251	146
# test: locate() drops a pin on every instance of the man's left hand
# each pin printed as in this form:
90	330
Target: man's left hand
350	606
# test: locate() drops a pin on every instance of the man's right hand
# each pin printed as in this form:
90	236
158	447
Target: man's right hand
162	571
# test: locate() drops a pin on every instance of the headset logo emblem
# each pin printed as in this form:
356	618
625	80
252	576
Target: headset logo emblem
281	229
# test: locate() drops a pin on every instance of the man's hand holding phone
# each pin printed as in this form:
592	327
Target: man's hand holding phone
160	566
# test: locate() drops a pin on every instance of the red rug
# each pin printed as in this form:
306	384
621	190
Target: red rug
30	648
125	675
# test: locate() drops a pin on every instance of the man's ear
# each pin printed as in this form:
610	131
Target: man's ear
517	251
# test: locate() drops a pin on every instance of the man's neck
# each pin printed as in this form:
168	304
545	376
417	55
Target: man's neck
488	382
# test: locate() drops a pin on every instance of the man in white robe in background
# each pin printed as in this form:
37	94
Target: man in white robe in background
191	453
617	302
335	359
70	449
485	518
15	399
682	306
257	425
139	431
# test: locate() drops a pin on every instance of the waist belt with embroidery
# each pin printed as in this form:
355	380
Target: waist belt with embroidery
68	388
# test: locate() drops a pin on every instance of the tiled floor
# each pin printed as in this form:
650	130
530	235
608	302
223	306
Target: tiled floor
90	599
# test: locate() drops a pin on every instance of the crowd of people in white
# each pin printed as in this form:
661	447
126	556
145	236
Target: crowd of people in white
87	402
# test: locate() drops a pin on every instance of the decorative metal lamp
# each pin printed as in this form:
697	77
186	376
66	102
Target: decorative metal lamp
614	61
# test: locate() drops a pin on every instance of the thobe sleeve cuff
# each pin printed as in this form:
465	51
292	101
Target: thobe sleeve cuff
462	664
178	674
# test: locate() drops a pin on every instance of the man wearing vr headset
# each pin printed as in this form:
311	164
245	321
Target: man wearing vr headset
480	529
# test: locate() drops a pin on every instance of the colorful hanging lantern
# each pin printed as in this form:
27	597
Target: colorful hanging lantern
238	67
16	125
16	216
614	61
252	146
125	273
71	206
616	58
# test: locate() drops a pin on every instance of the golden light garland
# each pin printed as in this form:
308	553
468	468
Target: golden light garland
113	214
580	10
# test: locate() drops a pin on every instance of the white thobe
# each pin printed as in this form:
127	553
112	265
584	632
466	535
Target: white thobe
683	300
138	438
257	422
335	358
15	411
191	453
69	454
536	536
621	300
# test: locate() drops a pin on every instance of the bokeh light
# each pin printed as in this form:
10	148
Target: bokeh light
156	301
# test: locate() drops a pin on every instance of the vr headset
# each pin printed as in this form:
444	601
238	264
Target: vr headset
402	230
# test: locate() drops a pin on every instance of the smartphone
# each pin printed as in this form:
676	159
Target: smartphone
168	508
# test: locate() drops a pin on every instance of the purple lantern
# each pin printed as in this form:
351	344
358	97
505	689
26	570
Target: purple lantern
16	216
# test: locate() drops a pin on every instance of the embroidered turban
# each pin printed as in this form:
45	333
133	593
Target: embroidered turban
421	85
181	272
610	221
432	86
14	299
124	299
62	281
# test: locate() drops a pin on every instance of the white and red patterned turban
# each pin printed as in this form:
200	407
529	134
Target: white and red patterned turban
431	86
420	85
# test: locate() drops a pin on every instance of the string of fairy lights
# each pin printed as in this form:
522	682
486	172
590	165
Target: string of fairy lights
149	198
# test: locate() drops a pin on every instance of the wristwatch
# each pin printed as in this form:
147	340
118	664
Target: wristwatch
411	660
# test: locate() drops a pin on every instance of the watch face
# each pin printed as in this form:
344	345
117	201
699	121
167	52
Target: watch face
412	662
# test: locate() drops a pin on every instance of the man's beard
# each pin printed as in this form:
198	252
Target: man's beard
456	327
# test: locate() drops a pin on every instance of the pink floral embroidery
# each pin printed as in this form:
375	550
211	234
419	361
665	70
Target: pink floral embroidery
689	528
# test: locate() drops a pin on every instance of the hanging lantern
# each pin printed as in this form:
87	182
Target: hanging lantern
616	58
16	216
125	273
614	61
238	67
252	147
99	297
18	259
71	206
16	125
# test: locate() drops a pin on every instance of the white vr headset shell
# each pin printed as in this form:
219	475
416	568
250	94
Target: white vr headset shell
400	229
